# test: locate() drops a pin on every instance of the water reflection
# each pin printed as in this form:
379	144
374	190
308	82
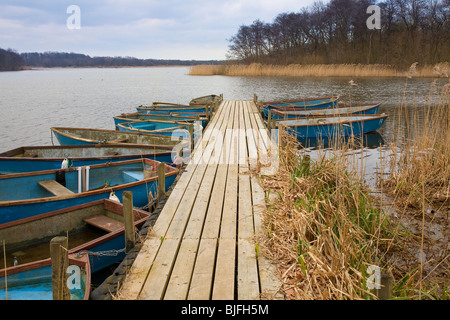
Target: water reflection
33	101
370	140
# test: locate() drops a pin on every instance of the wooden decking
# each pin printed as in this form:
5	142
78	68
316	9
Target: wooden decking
203	245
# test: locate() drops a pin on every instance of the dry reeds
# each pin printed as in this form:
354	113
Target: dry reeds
425	161
418	183
319	70
321	227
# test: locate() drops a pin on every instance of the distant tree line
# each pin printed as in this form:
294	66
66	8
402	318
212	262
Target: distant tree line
64	59
10	60
336	32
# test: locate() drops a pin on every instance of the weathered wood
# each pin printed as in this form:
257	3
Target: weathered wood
55	187
60	261
206	230
181	198
105	223
128	216
385	292
161	170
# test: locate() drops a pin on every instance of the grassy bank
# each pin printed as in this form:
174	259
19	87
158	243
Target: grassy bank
318	70
418	184
325	230
322	226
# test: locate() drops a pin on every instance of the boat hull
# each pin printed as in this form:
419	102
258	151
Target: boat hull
23	196
85	136
345	128
356	110
41	158
27	235
34	281
169	109
301	104
142	116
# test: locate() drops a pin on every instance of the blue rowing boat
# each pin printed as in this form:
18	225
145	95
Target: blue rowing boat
167	109
33	281
40	158
331	126
320	112
87	136
310	103
143	116
209	99
166	128
23	195
92	228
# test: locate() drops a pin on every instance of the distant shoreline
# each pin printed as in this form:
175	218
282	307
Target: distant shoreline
322	70
108	67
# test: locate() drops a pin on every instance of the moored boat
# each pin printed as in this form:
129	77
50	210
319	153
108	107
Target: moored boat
159	127
24	195
209	99
95	229
331	126
33	281
309	103
40	158
172	109
320	112
86	136
143	116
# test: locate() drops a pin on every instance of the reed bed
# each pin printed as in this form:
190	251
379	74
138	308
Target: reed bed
317	70
425	160
321	226
418	185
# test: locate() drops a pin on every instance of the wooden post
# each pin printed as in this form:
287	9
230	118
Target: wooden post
191	135
161	180
60	263
269	120
207	111
385	293
83	179
130	239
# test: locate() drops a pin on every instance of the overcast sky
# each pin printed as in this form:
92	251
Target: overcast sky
160	29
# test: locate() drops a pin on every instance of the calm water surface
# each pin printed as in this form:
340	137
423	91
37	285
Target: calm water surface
33	101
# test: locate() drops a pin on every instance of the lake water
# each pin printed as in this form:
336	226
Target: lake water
33	101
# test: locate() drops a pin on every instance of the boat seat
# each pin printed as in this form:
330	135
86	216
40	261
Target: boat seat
55	187
118	140
132	176
105	223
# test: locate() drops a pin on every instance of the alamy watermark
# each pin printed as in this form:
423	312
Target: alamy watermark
374	21
374	280
73	22
227	147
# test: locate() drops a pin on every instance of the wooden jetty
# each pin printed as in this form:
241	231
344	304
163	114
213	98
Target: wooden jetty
203	245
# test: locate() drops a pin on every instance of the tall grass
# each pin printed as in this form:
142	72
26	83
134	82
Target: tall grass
425	160
322	227
418	183
316	70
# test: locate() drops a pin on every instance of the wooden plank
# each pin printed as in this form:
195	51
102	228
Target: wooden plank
201	285
183	269
153	283
224	279
178	286
248	282
55	188
105	223
269	282
162	266
210	220
202	277
225	270
139	272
